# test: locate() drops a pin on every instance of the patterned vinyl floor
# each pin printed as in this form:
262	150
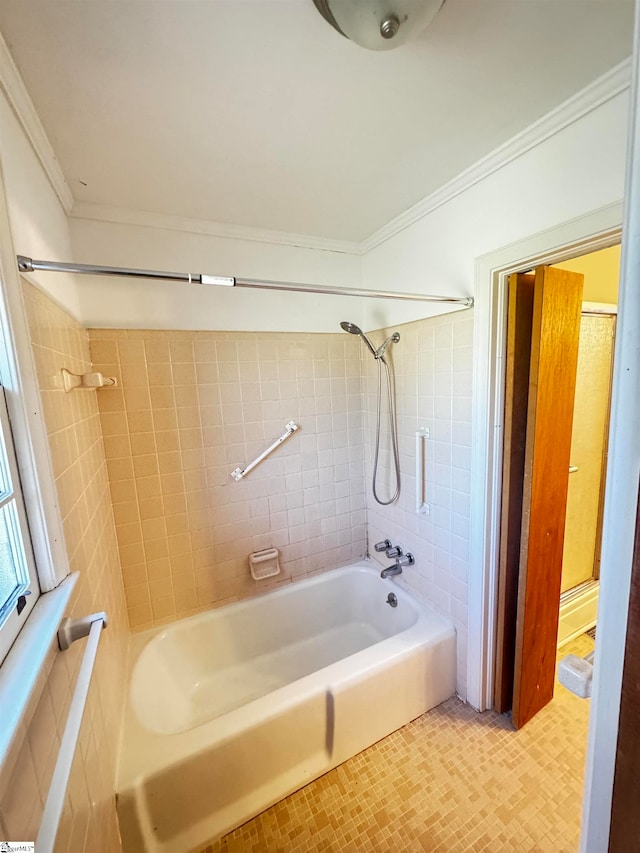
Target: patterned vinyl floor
453	781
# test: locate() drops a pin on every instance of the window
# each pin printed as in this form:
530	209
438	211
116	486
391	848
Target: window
18	584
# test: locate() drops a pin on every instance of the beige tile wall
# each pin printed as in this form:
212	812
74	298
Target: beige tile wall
193	406
432	365
89	819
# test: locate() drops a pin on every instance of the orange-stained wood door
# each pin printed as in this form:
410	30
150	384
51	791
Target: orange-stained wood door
516	401
555	330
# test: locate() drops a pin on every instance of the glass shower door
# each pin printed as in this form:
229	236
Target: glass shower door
581	555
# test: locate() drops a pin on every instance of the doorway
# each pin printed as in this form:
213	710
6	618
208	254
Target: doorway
585	500
554	462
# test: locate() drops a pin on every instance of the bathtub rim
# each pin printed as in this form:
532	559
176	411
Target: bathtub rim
365	565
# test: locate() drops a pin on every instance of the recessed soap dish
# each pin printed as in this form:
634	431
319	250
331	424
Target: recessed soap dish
264	564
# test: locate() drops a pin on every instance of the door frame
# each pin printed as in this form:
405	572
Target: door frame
598	230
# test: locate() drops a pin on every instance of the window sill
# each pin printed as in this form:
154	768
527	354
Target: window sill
21	668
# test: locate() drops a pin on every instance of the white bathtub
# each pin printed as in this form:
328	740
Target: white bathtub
232	710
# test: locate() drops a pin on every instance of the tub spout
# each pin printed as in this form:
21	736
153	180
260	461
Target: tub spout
396	569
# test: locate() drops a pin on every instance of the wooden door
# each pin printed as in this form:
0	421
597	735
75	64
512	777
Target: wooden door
557	306
518	361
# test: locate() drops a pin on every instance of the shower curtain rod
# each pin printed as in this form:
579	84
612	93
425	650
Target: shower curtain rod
29	265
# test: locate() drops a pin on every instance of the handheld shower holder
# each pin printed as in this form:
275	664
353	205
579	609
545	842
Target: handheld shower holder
392	339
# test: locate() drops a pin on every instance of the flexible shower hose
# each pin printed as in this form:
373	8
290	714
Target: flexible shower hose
393	430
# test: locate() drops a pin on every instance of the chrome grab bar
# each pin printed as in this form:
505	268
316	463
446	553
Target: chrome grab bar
239	473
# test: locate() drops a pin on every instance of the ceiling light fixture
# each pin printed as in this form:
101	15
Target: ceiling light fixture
378	24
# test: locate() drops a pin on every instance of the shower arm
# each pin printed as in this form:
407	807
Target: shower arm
26	264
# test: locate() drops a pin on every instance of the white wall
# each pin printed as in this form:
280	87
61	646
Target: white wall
126	303
578	170
38	221
572	172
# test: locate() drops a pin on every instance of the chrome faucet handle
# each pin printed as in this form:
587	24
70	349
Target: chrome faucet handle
394	551
382	546
407	560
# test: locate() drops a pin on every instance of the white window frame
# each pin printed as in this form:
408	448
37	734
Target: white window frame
19	378
14	612
37	629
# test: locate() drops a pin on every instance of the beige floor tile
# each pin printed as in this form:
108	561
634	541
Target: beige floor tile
452	781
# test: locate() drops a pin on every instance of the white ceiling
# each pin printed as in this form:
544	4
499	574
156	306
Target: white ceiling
256	113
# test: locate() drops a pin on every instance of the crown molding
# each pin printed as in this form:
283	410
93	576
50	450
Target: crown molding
606	87
166	222
16	93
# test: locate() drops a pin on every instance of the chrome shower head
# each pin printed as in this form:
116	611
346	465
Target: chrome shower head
356	330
